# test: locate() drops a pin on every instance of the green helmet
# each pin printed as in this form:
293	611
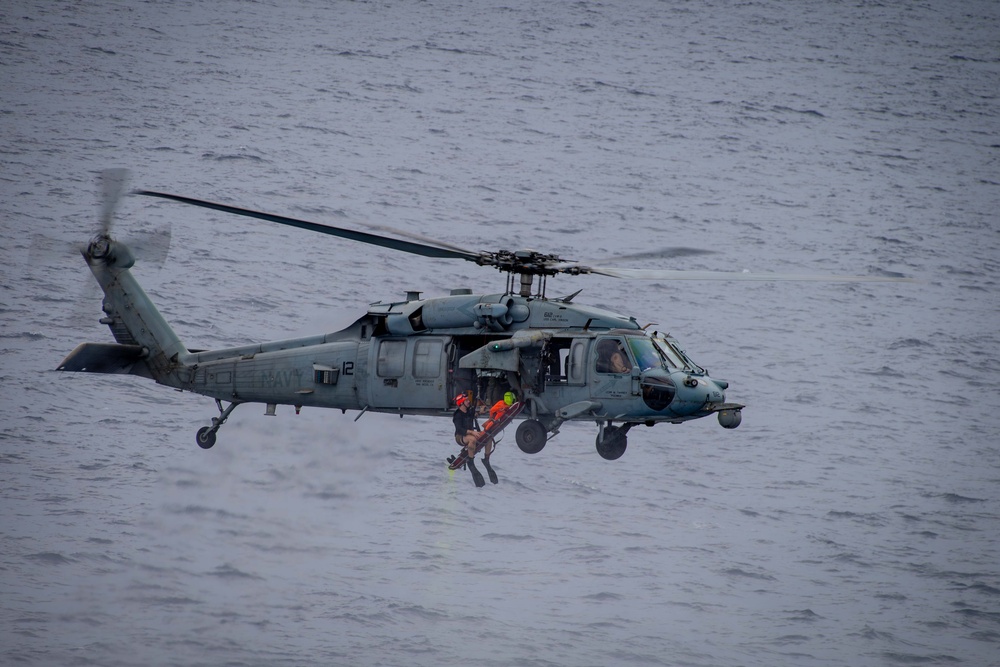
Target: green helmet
509	398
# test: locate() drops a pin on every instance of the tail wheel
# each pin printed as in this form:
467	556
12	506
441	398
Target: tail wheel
205	437
531	436
613	444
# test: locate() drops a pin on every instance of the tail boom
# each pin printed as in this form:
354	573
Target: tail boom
147	346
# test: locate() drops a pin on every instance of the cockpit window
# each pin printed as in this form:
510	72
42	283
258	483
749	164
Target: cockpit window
674	360
611	357
687	360
646	355
675	355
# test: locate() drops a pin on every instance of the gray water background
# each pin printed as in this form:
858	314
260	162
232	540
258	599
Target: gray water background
851	520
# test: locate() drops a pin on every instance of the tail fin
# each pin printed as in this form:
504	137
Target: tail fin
147	345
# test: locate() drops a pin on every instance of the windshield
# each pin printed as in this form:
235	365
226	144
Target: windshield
690	364
674	360
675	355
645	353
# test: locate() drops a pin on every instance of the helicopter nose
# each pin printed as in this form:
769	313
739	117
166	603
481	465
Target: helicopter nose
718	390
694	392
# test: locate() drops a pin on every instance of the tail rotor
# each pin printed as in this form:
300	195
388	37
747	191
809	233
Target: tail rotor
151	245
112	185
113	182
47	254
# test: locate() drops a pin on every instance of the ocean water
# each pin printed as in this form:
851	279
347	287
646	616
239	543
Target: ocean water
852	519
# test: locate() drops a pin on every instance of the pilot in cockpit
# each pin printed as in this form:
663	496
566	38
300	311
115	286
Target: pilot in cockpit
611	357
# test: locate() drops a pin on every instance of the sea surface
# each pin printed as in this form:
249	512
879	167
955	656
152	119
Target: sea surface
852	519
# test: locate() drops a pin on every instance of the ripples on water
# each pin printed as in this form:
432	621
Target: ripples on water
852	519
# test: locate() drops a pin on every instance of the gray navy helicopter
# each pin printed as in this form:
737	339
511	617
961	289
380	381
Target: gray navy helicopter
565	361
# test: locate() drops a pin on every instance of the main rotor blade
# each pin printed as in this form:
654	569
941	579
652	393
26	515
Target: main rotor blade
364	237
665	274
420	237
669	252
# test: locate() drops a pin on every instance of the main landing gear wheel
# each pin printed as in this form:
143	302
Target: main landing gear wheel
205	437
530	436
612	443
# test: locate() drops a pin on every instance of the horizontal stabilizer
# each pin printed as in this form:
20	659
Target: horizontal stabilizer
103	358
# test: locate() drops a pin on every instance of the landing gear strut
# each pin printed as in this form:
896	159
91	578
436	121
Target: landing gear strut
206	434
612	440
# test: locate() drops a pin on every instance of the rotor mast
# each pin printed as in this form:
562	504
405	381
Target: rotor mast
525	282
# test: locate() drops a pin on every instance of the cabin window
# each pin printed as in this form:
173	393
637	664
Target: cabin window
391	358
427	358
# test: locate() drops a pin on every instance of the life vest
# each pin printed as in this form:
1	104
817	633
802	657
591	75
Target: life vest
496	412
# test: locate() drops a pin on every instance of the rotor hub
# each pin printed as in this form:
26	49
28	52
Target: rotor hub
526	264
99	247
522	262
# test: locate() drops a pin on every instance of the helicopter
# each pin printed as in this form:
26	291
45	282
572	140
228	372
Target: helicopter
565	361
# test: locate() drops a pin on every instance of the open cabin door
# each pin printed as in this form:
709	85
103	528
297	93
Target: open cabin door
409	373
565	361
